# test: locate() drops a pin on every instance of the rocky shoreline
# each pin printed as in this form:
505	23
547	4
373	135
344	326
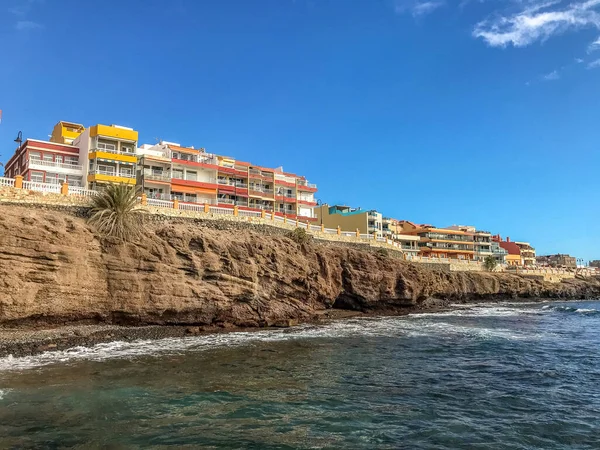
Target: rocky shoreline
27	341
62	286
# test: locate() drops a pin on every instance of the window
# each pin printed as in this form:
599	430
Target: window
192	176
107	146
178	173
58	159
37	177
35	155
47	157
72	160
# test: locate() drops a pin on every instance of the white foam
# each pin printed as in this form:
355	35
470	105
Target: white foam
376	327
3	392
586	311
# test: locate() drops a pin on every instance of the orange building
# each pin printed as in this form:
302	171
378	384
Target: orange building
441	242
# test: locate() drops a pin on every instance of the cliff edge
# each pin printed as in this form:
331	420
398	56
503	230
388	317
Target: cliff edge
54	270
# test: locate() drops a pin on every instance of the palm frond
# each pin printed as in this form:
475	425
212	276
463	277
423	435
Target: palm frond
112	212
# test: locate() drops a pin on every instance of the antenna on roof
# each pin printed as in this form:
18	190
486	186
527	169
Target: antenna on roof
158	141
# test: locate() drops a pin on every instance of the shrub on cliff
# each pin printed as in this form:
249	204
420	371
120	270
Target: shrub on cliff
300	236
490	263
113	215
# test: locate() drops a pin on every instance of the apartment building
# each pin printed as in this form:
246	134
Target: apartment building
451	243
109	154
527	253
169	170
391	229
46	162
558	260
351	219
513	252
482	241
499	253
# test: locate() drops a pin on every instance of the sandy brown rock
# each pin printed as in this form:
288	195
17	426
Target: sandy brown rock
53	269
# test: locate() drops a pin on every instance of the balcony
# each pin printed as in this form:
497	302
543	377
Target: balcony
157	176
40	164
305	184
231	183
105	175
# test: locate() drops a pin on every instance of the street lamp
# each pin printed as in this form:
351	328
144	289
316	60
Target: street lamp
19	139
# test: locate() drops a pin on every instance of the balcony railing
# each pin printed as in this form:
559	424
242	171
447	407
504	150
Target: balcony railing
114	151
261	190
232	183
53	164
158	176
112	173
306	184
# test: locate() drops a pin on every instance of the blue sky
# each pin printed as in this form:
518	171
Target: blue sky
443	112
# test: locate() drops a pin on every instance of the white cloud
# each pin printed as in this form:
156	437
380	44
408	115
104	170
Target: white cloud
594	64
537	22
26	25
594	45
578	60
554	75
424	8
416	8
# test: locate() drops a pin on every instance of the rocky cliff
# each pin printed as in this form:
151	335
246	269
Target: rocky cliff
53	269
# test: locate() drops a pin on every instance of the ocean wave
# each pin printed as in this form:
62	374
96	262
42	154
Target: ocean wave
368	327
571	309
3	393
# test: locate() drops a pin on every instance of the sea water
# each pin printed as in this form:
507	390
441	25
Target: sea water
508	376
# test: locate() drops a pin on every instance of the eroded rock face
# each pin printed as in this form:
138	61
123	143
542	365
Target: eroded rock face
53	269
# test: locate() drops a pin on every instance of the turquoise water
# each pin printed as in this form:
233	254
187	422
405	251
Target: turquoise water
496	377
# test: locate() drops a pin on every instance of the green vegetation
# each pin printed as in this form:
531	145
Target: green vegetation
490	263
113	215
300	236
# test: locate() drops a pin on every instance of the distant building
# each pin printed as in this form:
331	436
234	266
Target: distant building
482	241
451	243
527	253
595	263
392	230
558	260
351	219
499	253
66	132
513	251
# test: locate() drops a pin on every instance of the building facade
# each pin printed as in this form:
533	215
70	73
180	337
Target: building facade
513	252
527	253
109	155
499	254
46	162
450	243
351	219
557	260
169	170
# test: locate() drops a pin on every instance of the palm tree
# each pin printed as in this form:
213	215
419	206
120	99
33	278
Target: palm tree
113	215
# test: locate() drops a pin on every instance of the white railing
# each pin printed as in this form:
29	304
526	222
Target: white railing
41	187
226	201
7	182
315	228
160	203
192	207
112	173
82	192
249	213
41	162
348	234
217	210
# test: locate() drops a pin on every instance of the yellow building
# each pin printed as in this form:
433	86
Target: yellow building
66	132
110	154
350	219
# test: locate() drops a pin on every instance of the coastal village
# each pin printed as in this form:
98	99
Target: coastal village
80	160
